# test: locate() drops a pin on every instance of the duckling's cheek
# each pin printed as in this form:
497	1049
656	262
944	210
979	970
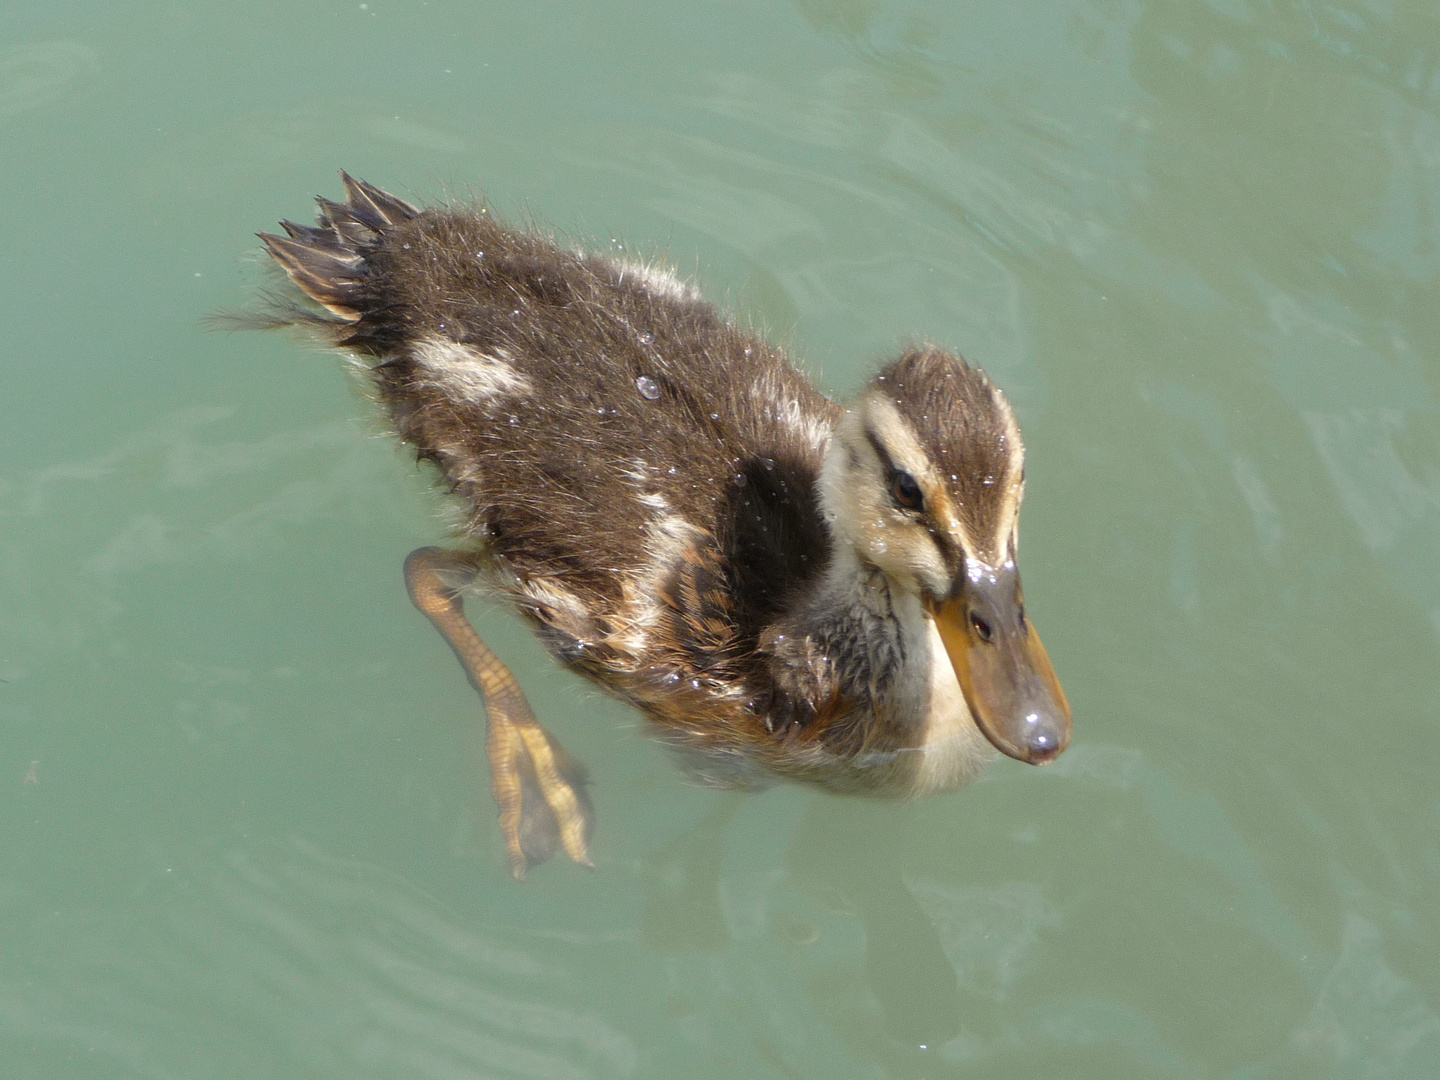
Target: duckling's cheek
893	548
878	535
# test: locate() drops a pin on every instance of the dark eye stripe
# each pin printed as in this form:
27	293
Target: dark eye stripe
880	451
949	551
903	488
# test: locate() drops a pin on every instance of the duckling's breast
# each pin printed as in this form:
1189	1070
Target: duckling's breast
952	749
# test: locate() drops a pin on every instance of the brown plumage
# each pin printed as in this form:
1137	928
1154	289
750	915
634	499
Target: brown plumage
779	584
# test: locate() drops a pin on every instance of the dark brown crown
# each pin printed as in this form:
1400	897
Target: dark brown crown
966	427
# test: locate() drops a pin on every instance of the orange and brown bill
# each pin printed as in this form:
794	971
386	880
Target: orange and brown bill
1008	682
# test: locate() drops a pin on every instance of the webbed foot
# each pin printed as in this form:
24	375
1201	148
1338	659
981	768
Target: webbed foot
540	789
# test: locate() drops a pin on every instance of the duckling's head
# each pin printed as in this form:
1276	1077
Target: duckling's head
923	478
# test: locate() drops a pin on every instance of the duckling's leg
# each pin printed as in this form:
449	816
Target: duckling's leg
540	789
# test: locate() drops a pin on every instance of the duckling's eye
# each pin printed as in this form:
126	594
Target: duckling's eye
905	491
983	629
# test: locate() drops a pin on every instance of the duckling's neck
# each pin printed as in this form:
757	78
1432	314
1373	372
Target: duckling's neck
874	634
866	641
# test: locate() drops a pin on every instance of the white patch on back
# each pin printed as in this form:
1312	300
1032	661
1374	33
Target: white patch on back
667	538
556	604
638	473
779	406
572	616
468	374
659	281
812	429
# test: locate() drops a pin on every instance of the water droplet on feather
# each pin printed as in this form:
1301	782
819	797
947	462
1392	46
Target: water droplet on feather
648	387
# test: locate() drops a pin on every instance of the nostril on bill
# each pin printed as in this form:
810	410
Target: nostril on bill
1042	736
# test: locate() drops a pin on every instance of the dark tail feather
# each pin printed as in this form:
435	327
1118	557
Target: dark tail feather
385	206
328	263
325	277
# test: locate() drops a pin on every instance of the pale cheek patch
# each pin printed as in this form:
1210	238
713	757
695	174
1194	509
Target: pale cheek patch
863	517
469	374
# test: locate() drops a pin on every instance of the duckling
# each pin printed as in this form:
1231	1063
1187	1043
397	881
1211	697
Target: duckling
784	587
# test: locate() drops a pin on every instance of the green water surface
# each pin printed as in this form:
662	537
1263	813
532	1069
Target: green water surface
246	825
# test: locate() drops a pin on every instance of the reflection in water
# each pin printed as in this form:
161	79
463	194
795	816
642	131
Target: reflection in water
1197	241
415	136
847	852
682	878
918	971
989	934
1378	491
293	960
1364	1009
35	75
169	495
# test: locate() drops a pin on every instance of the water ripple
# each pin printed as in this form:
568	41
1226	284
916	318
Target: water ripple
324	962
34	75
